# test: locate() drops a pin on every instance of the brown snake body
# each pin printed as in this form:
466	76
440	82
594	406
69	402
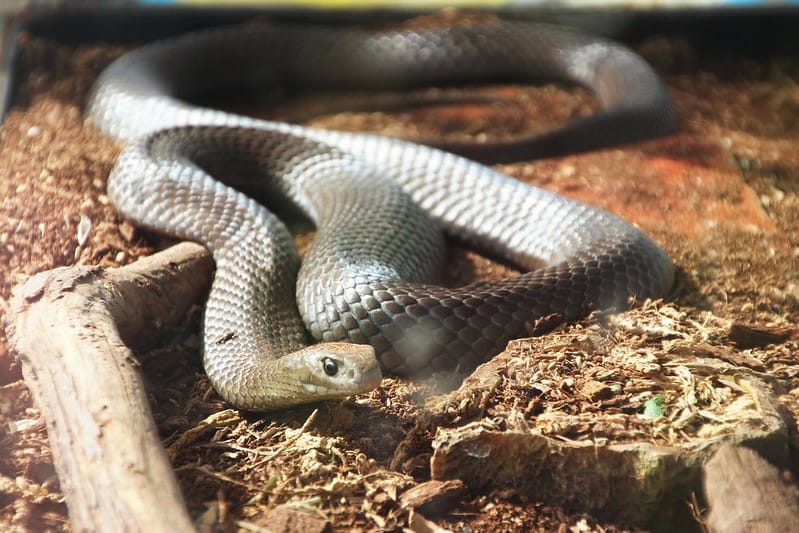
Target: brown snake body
379	204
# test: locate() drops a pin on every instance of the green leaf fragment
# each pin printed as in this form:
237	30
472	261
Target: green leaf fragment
653	407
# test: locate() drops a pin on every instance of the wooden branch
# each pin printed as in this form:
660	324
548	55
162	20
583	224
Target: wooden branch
66	326
746	493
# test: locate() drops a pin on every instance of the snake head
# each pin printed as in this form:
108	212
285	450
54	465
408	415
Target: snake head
326	371
333	370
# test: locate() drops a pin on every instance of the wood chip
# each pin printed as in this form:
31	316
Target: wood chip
595	390
432	497
289	519
755	336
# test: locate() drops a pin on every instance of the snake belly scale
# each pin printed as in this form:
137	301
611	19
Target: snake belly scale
380	205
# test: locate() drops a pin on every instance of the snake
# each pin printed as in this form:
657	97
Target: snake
363	301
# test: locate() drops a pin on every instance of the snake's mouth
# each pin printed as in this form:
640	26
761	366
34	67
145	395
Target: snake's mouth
356	381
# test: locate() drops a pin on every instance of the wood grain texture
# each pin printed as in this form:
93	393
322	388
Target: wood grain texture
67	327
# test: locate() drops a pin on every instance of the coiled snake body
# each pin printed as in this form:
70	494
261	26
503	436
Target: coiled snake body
379	204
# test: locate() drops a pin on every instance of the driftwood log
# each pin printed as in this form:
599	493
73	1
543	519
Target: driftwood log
746	493
67	327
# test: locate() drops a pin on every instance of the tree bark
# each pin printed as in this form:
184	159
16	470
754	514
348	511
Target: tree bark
746	493
67	327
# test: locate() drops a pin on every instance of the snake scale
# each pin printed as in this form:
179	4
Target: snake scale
380	205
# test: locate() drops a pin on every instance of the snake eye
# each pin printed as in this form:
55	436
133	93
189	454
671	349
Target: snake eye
330	366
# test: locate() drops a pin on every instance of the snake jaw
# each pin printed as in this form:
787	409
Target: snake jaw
338	369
